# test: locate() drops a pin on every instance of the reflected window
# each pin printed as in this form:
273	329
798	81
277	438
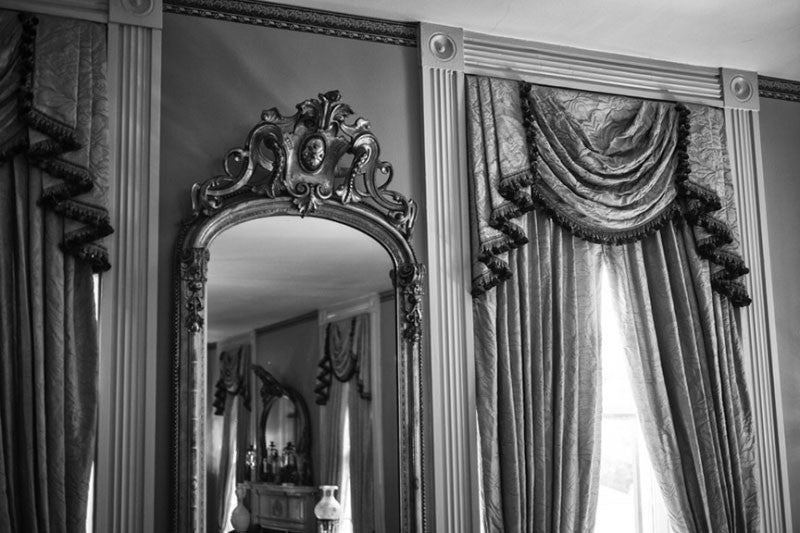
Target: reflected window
90	498
346	520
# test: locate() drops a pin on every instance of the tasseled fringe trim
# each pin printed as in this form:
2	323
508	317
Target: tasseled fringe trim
94	254
61	133
322	389
694	204
698	202
519	201
734	290
75	180
601	236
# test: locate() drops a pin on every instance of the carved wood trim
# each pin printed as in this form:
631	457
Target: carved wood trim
574	68
304	19
126	473
757	323
452	421
779	88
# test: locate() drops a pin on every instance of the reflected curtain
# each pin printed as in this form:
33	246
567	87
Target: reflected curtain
613	173
332	416
227	464
347	358
232	402
53	180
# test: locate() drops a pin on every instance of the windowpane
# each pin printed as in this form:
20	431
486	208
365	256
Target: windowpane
616	509
346	520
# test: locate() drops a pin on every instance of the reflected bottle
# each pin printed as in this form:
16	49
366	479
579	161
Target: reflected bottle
289	469
250	462
271	464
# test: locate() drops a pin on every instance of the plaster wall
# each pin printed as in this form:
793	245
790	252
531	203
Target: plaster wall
780	139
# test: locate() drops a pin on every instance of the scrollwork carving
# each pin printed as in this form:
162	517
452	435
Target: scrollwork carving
304	156
194	265
408	277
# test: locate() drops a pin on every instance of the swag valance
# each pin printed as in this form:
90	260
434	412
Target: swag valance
53	107
346	357
610	169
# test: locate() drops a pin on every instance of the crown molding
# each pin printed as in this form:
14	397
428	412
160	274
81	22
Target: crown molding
91	10
779	88
588	70
299	19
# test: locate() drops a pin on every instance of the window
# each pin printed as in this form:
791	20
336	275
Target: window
346	518
629	499
90	499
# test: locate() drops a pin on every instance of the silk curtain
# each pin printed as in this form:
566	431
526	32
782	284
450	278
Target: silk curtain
538	385
53	178
689	382
612	171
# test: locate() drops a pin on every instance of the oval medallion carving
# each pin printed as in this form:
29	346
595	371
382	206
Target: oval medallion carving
442	46
138	7
312	154
741	88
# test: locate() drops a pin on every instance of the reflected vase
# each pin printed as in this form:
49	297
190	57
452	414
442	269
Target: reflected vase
328	510
240	517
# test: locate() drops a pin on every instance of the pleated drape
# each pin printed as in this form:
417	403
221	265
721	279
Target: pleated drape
689	382
332	417
551	171
362	486
227	463
53	172
538	388
344	391
48	364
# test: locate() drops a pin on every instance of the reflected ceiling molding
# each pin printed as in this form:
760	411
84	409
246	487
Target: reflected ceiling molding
299	19
779	88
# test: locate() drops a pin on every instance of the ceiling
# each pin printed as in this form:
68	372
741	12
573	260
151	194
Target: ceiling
758	35
269	270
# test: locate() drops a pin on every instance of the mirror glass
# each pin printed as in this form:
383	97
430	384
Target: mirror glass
283	294
280	426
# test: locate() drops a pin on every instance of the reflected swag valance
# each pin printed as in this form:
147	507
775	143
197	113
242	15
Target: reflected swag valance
610	169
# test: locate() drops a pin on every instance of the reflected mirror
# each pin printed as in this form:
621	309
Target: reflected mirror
298	312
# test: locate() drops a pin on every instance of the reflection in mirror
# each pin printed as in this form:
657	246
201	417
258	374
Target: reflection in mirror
280	427
302	375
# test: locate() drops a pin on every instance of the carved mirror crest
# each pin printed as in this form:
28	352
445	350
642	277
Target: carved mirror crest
319	163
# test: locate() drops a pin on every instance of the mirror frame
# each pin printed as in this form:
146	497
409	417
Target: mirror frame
270	177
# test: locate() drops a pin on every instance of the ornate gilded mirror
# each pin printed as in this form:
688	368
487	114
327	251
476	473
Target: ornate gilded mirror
274	246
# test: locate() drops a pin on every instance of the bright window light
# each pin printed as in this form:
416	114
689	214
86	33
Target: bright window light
93	477
346	518
629	499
